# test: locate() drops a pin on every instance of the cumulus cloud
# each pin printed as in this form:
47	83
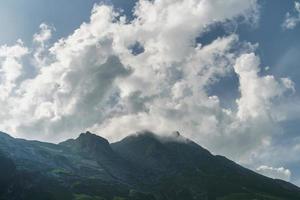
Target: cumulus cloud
44	34
41	41
93	80
257	92
292	19
276	173
10	67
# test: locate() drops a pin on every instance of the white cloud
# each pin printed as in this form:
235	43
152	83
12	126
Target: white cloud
92	75
276	173
10	67
44	34
41	40
292	19
257	92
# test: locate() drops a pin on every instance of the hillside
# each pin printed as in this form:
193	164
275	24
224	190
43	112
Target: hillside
141	166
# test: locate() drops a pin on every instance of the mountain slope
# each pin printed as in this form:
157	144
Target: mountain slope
187	167
141	166
98	149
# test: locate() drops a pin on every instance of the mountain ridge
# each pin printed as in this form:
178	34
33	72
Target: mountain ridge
140	166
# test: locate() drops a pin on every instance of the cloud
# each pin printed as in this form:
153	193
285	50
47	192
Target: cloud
276	173
44	34
71	91
10	67
292	19
257	92
41	40
92	76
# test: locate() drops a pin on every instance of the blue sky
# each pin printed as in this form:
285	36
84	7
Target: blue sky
22	18
95	95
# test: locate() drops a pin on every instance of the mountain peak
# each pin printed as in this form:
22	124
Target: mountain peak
176	134
158	153
91	137
87	133
89	143
2	134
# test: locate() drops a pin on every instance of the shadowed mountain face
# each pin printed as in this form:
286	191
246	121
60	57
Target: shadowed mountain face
142	166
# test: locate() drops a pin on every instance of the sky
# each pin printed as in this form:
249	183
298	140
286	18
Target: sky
224	73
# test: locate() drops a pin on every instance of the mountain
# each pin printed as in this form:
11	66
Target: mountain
140	167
